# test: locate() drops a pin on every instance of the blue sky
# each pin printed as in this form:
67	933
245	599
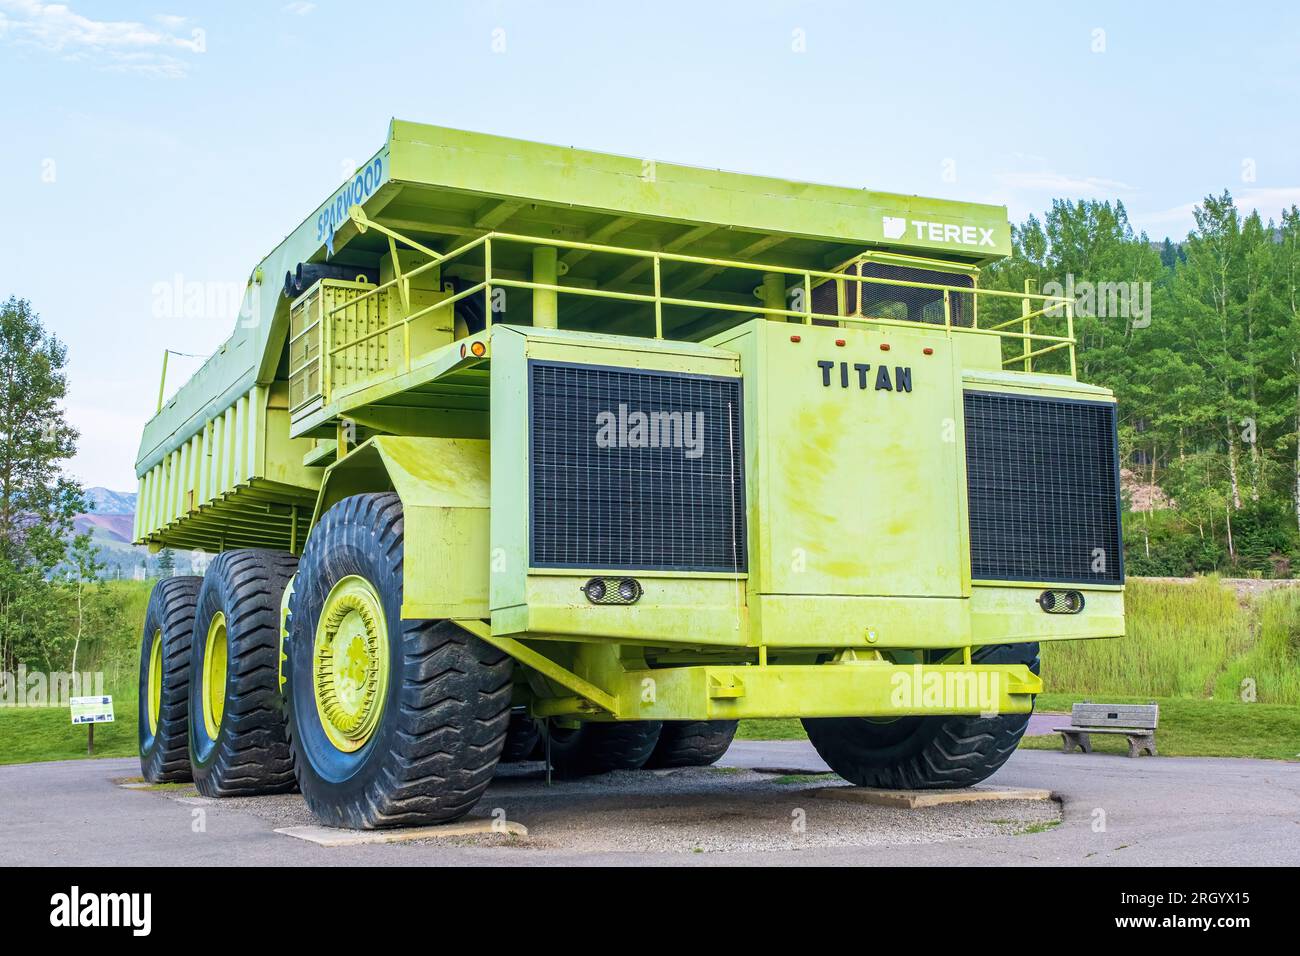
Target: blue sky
145	141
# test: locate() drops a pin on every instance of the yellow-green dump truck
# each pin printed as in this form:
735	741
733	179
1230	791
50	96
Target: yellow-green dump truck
515	441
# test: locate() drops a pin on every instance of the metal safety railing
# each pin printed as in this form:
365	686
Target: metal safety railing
344	354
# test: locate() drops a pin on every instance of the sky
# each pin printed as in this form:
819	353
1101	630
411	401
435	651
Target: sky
146	146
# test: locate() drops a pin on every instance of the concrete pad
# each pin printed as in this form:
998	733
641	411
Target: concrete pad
914	799
331	836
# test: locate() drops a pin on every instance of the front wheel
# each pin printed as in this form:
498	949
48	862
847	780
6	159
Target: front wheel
924	753
392	722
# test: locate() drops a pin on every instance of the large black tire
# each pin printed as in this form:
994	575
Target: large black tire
249	753
692	743
602	747
443	712
164	751
522	738
924	753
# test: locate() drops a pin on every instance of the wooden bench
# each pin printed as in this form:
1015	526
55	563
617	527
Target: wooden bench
1137	722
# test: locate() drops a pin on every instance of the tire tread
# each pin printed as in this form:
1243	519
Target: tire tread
693	743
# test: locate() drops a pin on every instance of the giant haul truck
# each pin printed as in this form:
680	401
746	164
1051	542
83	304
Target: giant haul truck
518	443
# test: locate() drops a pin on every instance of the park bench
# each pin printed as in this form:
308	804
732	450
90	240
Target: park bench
1137	722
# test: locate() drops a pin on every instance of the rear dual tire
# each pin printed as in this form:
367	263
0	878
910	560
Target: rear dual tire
523	739
692	743
592	748
237	740
163	716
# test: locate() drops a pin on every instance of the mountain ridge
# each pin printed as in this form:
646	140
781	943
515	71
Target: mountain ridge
105	501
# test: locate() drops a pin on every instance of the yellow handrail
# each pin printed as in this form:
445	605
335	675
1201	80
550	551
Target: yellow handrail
1035	343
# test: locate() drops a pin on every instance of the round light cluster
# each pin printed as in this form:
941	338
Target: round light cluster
1061	602
613	590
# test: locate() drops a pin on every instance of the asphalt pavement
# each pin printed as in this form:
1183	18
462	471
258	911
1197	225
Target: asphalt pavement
759	806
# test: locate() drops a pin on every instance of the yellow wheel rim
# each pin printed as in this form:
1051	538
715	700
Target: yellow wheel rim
214	675
155	681
350	663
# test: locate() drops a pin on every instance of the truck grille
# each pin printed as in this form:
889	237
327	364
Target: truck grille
611	490
1043	489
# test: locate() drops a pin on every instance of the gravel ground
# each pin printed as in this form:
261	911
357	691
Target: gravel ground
691	810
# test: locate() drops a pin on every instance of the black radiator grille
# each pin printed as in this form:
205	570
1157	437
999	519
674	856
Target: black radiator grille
605	495
1043	486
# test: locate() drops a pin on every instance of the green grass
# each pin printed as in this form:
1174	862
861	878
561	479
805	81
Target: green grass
1189	640
1194	648
781	728
29	734
45	733
1195	728
1271	664
1039	827
1180	637
790	778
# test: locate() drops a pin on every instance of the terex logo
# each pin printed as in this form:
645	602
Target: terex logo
894	227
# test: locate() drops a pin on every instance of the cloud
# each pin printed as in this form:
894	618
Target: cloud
1064	184
121	45
299	8
1171	222
1268	201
